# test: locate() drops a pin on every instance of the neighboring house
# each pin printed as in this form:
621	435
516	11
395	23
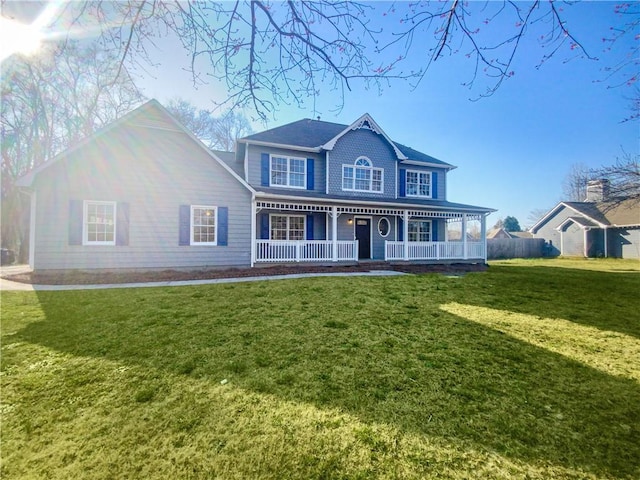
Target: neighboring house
597	227
502	233
143	192
498	233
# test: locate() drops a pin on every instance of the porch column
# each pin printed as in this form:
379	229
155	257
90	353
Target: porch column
585	249
464	235
254	244
334	232
606	249
405	234
483	235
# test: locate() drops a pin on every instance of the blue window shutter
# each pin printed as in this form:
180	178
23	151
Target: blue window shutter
75	222
223	226
400	229
264	169
122	224
309	227
264	227
310	179
402	190
185	225
434	230
434	184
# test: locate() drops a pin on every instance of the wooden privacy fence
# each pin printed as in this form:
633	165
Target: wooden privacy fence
515	248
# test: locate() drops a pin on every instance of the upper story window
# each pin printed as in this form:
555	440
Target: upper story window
362	176
418	184
99	223
288	172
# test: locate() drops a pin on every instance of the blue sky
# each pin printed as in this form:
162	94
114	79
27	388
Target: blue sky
512	149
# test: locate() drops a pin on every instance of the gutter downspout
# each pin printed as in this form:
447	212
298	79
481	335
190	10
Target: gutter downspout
483	235
606	241
253	229
32	231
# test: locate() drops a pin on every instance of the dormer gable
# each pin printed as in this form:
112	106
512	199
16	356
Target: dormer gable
365	122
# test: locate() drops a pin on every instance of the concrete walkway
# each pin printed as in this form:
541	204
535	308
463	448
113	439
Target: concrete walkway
16	286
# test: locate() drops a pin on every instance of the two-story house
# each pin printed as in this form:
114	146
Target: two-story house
143	192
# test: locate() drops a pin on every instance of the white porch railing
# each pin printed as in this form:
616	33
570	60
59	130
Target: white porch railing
305	251
434	250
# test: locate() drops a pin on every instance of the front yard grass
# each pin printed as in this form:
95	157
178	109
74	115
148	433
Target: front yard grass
524	371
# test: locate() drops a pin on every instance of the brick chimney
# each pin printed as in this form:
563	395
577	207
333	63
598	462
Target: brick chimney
598	190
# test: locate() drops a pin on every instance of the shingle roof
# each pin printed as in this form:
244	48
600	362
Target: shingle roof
230	159
583	222
303	133
308	133
624	213
590	210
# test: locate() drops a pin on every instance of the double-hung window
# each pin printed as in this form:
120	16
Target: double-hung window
362	176
288	172
419	231
99	226
287	227
418	184
203	225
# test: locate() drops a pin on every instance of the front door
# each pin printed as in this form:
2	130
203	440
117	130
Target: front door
363	236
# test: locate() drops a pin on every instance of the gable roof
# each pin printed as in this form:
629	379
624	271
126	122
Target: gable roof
498	233
316	135
150	114
365	121
597	215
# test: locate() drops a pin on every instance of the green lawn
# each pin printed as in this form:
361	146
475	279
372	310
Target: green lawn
524	371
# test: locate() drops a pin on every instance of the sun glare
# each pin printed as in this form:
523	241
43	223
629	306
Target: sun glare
16	37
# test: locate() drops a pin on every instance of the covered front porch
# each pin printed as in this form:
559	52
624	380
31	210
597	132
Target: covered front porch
286	231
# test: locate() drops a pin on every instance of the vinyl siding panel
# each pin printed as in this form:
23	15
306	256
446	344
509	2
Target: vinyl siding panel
624	242
573	241
154	171
548	229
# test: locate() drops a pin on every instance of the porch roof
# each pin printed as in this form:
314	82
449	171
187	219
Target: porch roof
370	202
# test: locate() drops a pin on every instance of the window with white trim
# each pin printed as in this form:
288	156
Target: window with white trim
419	230
288	172
418	184
203	225
362	176
286	227
99	226
384	227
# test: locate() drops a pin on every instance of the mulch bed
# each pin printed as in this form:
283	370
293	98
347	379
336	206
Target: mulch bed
76	277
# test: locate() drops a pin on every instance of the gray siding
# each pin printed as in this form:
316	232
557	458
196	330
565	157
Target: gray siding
360	143
155	171
548	229
573	241
624	242
255	167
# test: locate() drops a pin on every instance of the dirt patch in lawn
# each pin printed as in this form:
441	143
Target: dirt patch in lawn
77	277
